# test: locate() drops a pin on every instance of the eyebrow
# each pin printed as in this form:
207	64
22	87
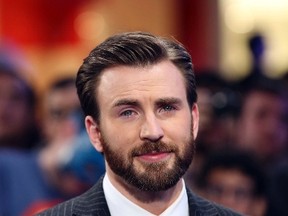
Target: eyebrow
126	102
159	102
169	100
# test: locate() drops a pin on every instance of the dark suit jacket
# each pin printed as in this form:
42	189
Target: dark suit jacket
93	203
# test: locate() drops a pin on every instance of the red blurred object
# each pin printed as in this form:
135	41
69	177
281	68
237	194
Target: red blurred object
42	22
40	206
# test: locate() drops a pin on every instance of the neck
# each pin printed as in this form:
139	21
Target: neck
154	202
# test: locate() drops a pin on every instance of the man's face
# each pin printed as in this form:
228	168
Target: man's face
231	188
146	129
61	113
16	115
263	126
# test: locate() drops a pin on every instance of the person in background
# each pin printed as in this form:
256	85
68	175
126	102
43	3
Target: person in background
62	115
63	125
262	121
19	127
139	97
218	103
235	180
35	180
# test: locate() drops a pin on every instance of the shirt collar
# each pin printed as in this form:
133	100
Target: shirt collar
121	206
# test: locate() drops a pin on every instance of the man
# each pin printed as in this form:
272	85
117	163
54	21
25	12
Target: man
236	180
48	175
262	123
217	104
61	111
62	129
138	94
18	121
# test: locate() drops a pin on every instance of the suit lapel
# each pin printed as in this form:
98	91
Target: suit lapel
92	203
199	206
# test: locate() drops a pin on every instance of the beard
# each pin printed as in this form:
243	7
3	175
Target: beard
156	176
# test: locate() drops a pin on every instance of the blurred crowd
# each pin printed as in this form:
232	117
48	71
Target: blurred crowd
242	146
241	149
45	154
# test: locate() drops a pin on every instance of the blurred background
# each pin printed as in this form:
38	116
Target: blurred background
239	49
45	37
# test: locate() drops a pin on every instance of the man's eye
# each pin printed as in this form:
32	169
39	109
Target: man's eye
127	113
167	108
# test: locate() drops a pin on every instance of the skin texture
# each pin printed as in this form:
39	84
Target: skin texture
141	106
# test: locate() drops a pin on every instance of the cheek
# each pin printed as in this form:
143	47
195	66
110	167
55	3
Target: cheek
179	133
120	129
120	138
183	128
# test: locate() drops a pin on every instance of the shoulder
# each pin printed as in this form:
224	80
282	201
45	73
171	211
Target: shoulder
92	202
65	208
201	206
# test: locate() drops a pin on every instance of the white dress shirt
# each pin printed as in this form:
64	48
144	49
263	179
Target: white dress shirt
119	205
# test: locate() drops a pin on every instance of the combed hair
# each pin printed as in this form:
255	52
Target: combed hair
130	49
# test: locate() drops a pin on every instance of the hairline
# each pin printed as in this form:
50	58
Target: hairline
150	64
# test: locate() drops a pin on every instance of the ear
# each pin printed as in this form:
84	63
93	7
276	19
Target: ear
94	133
195	119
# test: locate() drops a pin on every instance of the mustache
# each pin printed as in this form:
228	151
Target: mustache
153	147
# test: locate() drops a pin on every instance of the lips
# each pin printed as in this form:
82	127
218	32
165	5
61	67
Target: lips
154	156
153	151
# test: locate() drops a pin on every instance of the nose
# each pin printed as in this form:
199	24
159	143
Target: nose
151	129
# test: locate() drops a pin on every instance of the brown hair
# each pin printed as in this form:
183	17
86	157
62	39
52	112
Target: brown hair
130	49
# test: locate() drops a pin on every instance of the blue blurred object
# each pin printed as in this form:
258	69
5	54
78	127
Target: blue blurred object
82	160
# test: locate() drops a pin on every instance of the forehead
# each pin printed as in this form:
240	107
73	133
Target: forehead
163	78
